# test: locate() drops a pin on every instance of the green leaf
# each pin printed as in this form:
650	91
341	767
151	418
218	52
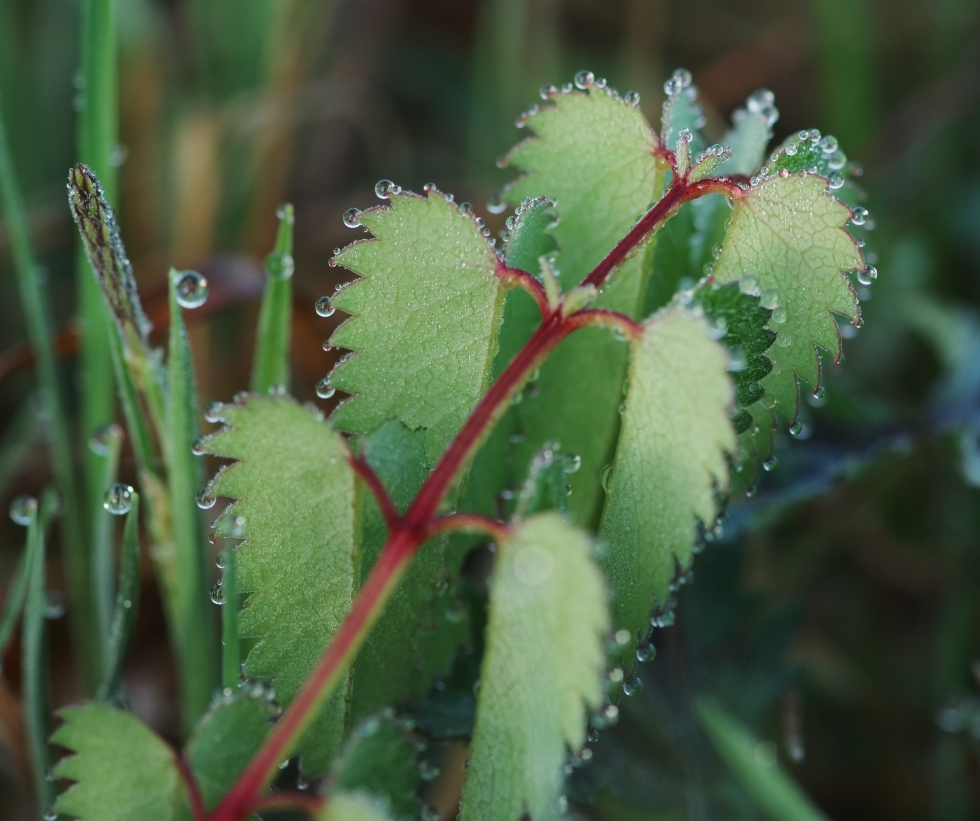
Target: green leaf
681	111
271	363
122	769
541	671
226	738
296	512
670	459
789	233
380	760
426	315
546	486
127	604
347	806
423	622
771	787
748	138
193	625
593	154
808	151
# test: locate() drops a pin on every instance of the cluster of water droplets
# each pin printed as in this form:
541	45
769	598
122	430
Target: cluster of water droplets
190	289
680	89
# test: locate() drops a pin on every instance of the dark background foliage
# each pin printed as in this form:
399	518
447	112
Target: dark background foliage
839	615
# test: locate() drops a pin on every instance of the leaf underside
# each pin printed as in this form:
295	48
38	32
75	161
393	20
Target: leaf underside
670	460
425	318
789	232
542	667
121	768
296	494
593	154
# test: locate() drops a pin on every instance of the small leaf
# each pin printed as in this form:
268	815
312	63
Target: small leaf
808	151
296	512
353	806
122	769
426	315
790	234
270	366
225	739
546	486
670	460
681	110
748	138
541	671
380	760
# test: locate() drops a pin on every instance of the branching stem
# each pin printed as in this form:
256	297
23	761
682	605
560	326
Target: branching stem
371	479
420	521
528	282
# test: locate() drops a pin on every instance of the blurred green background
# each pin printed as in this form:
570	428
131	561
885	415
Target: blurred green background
839	616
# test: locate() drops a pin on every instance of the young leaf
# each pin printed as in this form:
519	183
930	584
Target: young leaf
789	233
423	621
670	459
225	740
380	760
541	671
772	788
425	319
593	153
271	364
295	509
122	769
748	138
353	806
681	110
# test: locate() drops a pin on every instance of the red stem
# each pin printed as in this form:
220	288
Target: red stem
470	523
198	811
421	521
529	283
310	804
366	472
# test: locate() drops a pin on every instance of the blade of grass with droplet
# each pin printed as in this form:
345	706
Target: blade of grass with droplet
39	326
271	364
231	657
105	447
192	618
127	602
97	137
771	787
37	708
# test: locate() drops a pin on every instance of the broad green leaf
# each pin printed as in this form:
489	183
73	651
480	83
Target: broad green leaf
295	508
353	806
380	760
593	154
122	770
670	460
425	319
542	671
423	622
789	232
749	135
226	738
768	783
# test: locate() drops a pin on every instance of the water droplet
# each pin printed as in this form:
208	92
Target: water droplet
429	813
616	676
748	284
280	265
828	144
584	79
572	463
54	604
633	686
606	718
768	401
198	448
632	98
302	783
428	771
820	393
324	389
770	463
868	275
784	339
678	81
860	216
385	189
835	180
212	412
604	477
324	307
218	593
191	289
646	651
205	498
548	92
621	637
779	315
221	560
496	204
104	438
759	100
769	299
50	814
352	217
837	161
796	428
118	499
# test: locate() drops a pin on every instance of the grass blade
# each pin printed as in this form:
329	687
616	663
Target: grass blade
39	328
127	602
104	446
13	604
271	364
771	787
36	697
17	441
193	618
230	649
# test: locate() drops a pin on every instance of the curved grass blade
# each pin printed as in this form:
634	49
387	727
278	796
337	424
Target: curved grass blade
271	364
104	448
